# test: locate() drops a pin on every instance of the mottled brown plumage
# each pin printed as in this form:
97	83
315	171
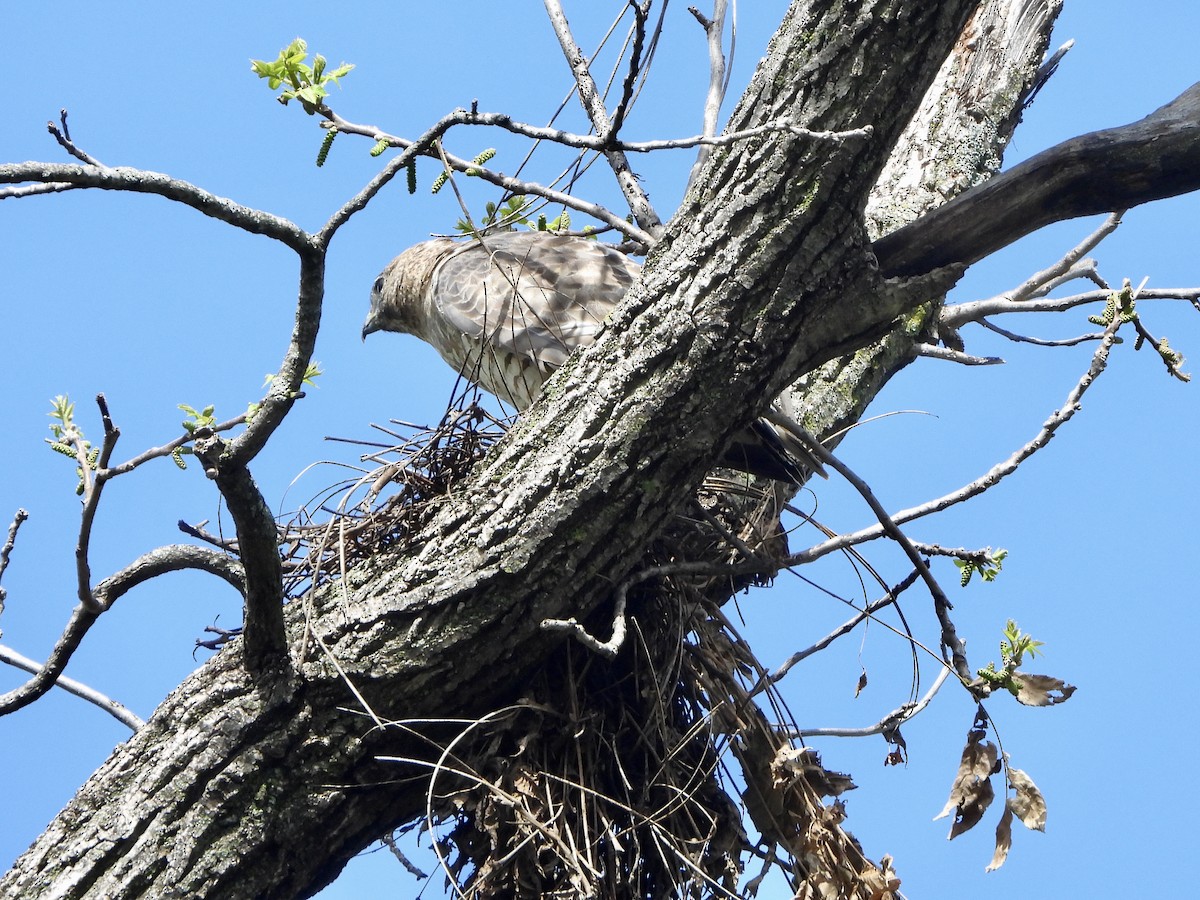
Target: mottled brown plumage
508	309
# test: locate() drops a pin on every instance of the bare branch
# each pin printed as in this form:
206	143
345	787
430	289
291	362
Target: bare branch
166	449
422	146
941	603
933	351
961	313
1041	342
118	711
635	64
284	390
171	558
139	181
592	142
265	645
1046	72
846	627
30	190
1039	283
425	147
18	518
718	81
508	183
593	105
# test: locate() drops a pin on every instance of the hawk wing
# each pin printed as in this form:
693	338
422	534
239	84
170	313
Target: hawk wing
531	295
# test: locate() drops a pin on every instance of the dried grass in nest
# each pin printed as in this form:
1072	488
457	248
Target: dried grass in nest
386	506
614	778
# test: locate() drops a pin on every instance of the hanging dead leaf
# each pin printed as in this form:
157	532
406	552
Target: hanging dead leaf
1003	839
862	683
1028	804
972	792
899	752
1041	690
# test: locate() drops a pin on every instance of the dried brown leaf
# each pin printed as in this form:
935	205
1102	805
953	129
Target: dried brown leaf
791	764
1028	804
1041	690
882	882
862	683
971	810
1003	839
971	793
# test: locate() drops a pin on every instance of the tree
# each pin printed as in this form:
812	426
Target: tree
681	467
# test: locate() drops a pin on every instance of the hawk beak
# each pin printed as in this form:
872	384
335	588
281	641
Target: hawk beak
369	327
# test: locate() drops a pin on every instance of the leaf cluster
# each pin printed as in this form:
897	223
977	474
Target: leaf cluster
308	85
511	214
68	439
1028	689
988	566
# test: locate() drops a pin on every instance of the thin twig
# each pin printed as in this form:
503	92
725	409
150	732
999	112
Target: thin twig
18	518
1040	342
30	190
941	603
635	62
845	628
996	474
166	449
115	709
63	136
422	146
890	722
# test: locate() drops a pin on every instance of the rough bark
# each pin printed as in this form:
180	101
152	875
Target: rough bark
240	787
954	143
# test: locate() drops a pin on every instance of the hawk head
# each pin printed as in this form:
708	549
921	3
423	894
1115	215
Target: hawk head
399	297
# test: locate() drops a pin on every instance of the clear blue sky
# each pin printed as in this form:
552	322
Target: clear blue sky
155	306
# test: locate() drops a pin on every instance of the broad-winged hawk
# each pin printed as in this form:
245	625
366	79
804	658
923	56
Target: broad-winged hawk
506	311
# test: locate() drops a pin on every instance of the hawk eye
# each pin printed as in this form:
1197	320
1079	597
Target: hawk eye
378	286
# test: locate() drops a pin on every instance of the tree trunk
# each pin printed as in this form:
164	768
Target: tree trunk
244	788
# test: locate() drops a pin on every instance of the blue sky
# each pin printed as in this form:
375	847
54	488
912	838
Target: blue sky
156	306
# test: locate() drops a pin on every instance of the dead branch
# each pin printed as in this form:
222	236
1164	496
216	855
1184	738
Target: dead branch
718	78
1154	158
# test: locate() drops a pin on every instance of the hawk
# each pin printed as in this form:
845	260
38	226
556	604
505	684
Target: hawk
507	309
